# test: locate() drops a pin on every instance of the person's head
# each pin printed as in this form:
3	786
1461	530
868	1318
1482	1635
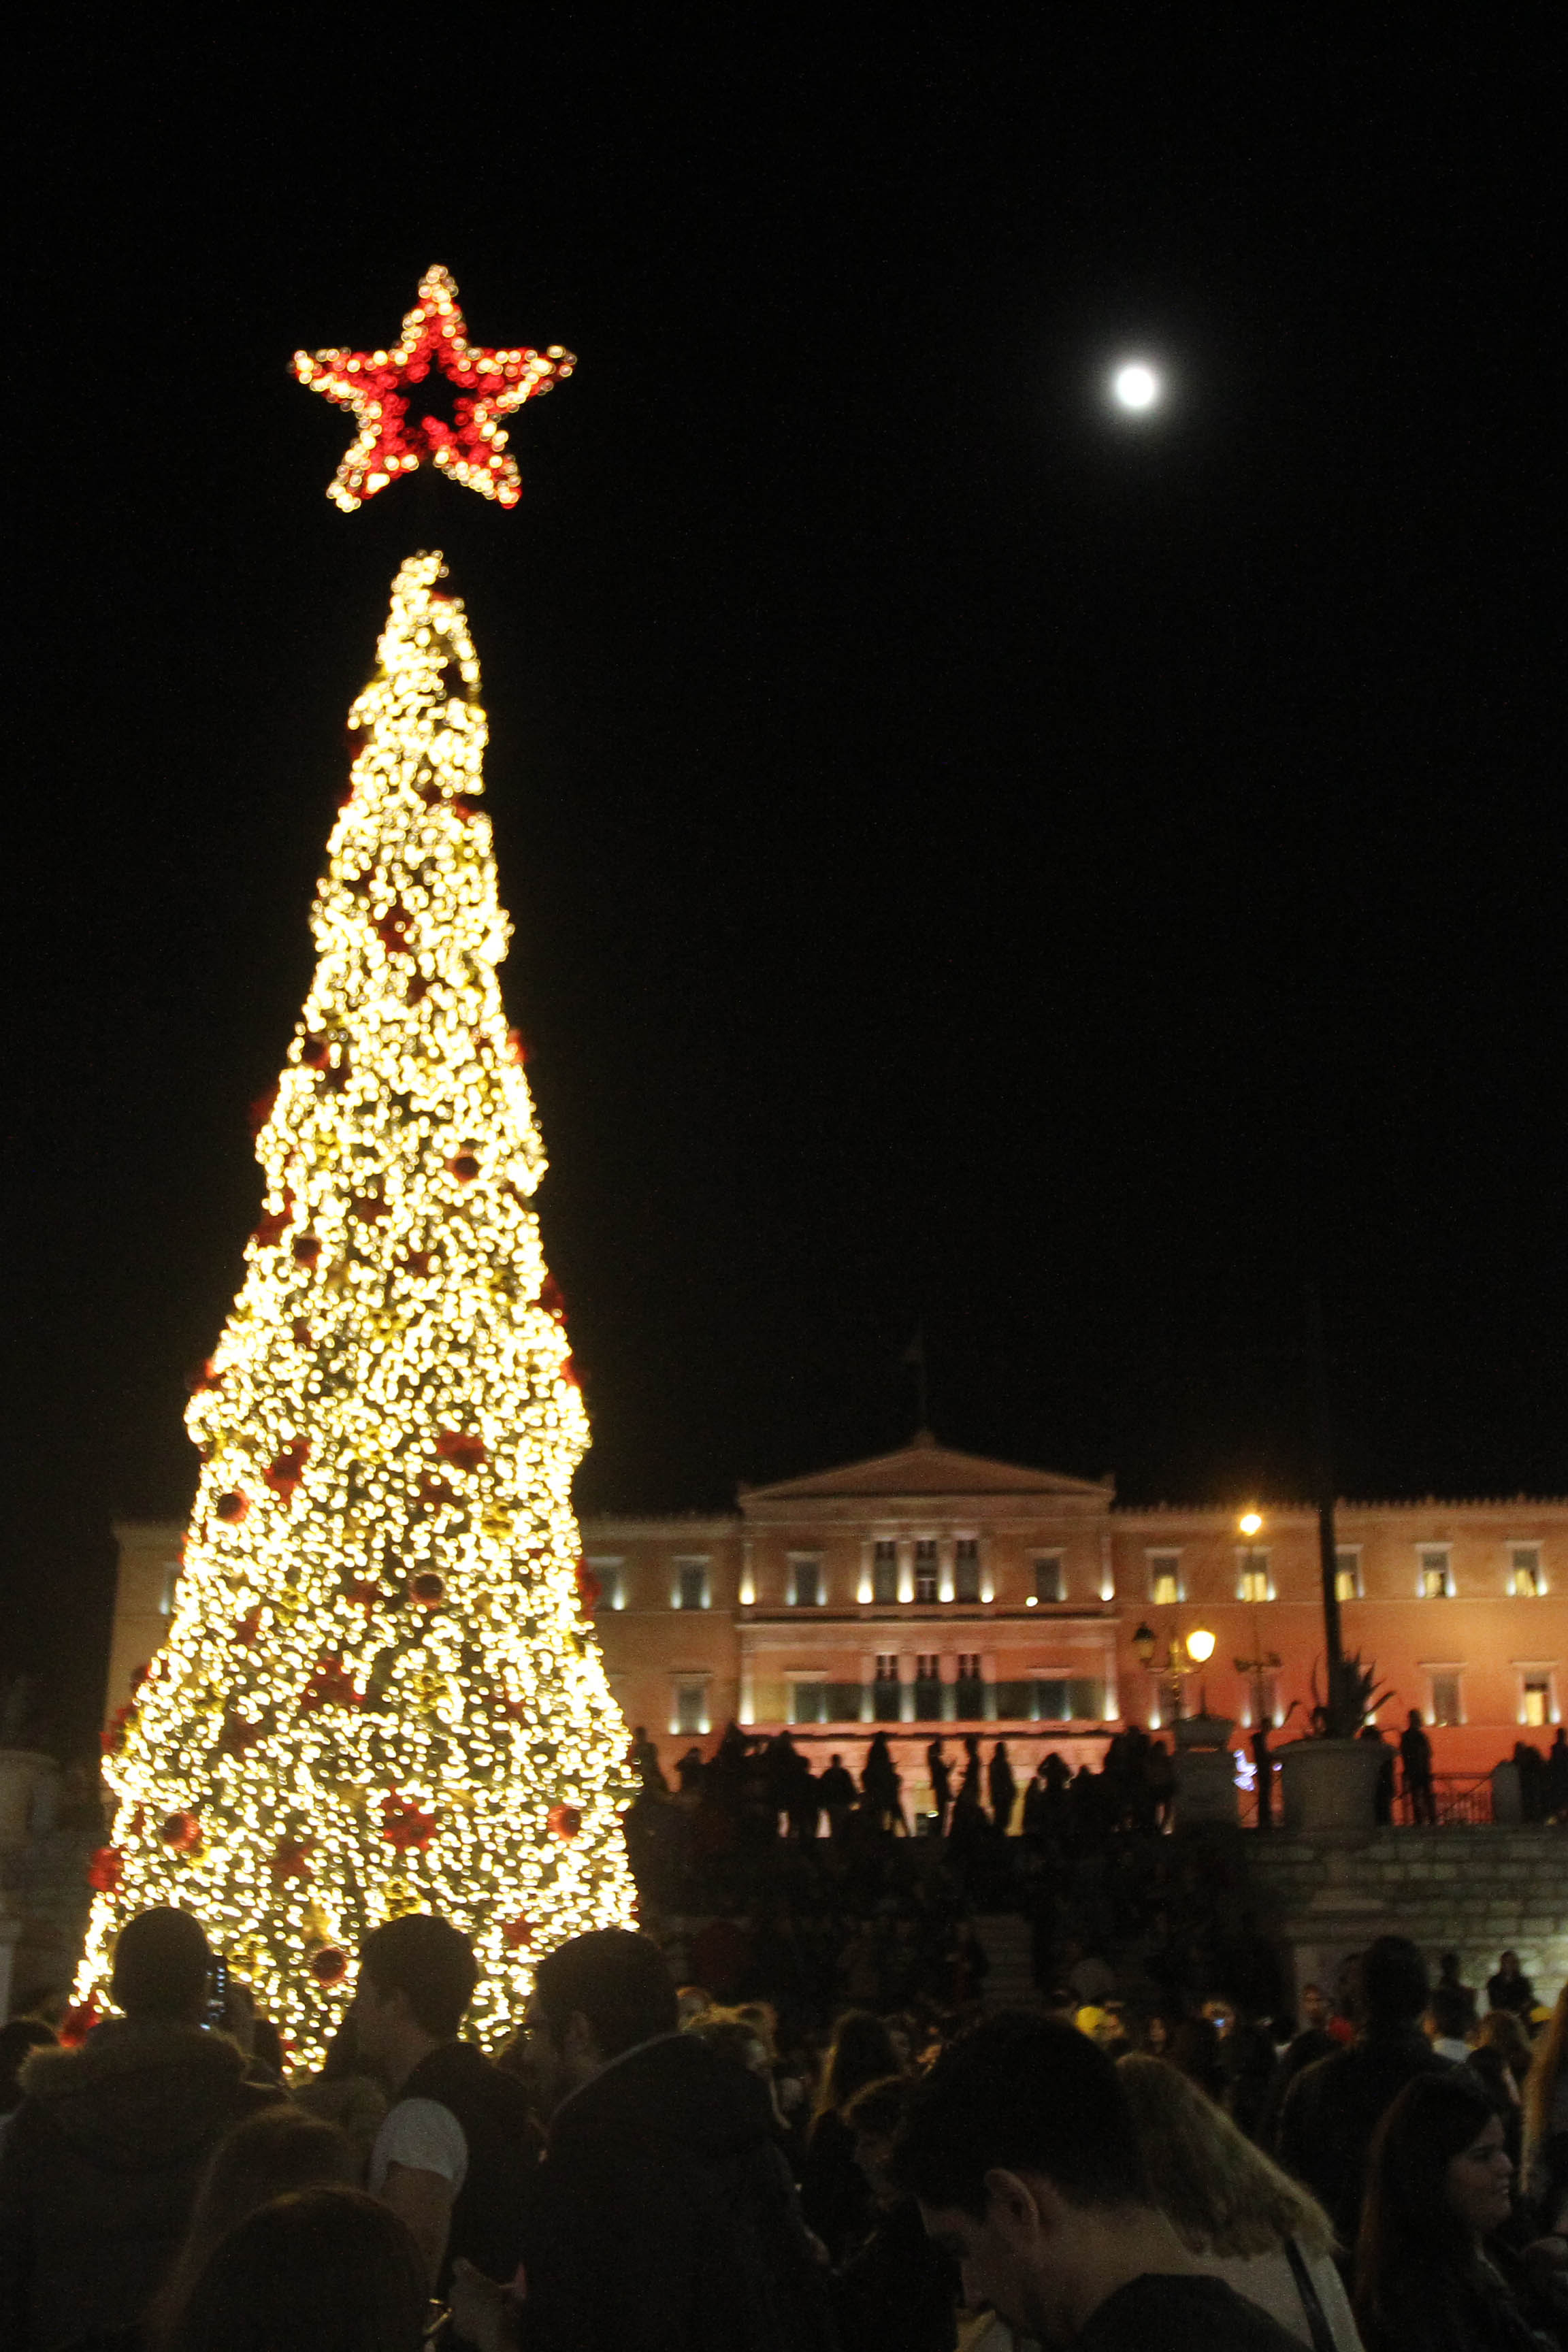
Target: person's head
1501	2031
594	1997
861	2051
1508	1965
692	2000
1221	2194
162	1964
1393	1989
22	2034
735	2037
875	2117
1019	2138
416	1977
1437	2182
1448	1968
1316	2007
1414	1718
267	2156
1447	2015
324	2269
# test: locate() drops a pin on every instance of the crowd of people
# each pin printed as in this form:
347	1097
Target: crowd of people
645	2166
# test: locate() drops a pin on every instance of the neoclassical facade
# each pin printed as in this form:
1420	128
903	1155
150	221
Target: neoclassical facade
928	1591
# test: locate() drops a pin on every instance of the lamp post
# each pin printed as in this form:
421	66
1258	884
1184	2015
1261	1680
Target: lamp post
1182	1658
1257	1668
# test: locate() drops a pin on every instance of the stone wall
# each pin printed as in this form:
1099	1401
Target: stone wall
1477	1891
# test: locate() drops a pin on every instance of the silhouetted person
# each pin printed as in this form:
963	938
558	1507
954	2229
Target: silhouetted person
836	1789
940	1772
1382	1787
1416	1757
645	1764
1002	1788
1510	1988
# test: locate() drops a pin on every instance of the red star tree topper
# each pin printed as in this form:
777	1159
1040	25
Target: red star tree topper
382	389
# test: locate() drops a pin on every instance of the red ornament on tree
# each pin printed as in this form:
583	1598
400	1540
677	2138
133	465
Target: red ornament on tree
330	1966
248	1627
419	1262
464	1167
434	1489
284	1472
564	1820
463	1453
427	1590
105	1869
330	1684
403	1824
307	1250
316	1052
290	1858
182	1832
588	1589
77	2023
516	1934
397	433
231	1508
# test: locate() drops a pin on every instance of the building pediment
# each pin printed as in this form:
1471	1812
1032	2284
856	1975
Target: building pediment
924	1468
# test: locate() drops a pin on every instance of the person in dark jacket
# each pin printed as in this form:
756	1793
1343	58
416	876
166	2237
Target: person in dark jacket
101	2160
896	2292
1333	2108
458	2150
662	2220
1510	1988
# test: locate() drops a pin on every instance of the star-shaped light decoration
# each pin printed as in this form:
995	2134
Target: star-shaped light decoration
382	389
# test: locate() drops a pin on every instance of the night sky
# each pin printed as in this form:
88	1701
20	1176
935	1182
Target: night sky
978	864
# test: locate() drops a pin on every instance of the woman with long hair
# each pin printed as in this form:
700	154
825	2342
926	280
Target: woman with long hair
1439	2187
267	2156
1546	2098
326	2270
833	2191
1246	2220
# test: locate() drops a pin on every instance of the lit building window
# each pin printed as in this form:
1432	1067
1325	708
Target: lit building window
1446	1705
1528	1583
806	1582
691	1584
966	1568
925	1570
1050	1580
808	1702
970	1699
1164	1578
1347	1575
1537	1708
885	1694
612	1575
1436	1576
928	1687
689	1713
1252	1581
885	1574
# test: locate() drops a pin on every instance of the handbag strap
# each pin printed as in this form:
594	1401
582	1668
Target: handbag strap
1317	2318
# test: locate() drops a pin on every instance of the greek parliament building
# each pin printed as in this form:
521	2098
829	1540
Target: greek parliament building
930	1590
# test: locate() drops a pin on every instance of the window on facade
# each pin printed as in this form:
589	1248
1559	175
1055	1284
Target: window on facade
1537	1701
806	1582
1347	1575
1050	1583
970	1698
1164	1578
1436	1584
1446	1697
808	1702
691	1584
1528	1583
885	1573
885	1689
925	1572
1061	1698
966	1570
612	1575
691	1709
928	1687
1253	1583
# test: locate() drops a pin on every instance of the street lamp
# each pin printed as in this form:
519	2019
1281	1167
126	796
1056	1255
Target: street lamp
1263	1662
1182	1658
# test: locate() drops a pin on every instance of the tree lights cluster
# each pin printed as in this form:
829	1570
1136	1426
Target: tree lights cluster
396	431
380	1691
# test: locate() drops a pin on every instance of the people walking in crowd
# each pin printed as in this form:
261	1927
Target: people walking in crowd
1438	2191
1023	2151
456	2155
1332	2109
326	2270
1246	2220
1416	1761
100	2162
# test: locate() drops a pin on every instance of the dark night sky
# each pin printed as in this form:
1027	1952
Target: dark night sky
973	864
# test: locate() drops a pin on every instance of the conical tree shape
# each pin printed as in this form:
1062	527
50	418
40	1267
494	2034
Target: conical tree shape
380	1691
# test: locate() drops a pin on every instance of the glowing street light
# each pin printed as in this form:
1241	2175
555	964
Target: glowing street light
1136	386
1250	1523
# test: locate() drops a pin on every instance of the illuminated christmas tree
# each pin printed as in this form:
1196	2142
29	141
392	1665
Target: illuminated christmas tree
380	1691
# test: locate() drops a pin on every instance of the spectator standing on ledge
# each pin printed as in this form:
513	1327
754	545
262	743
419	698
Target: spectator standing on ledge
836	1790
455	2157
101	2162
1510	1988
662	2218
940	1774
1001	1787
1021	2147
1334	2107
1416	1757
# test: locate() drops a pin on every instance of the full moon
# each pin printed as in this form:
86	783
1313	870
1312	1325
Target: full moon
1135	385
